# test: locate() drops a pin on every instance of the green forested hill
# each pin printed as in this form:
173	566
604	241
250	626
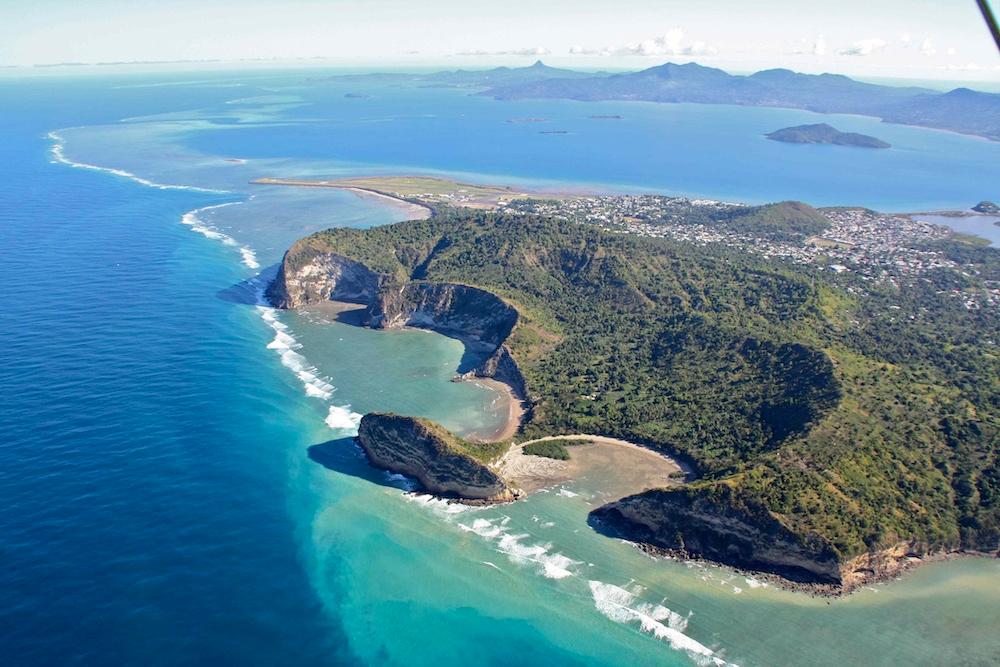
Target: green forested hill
859	418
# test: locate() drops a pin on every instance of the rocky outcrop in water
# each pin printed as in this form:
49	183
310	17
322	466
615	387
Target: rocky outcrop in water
717	525
442	463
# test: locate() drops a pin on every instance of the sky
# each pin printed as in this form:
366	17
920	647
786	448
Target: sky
923	39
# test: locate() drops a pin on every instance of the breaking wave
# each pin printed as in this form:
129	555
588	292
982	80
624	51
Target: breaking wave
58	151
194	221
623	606
550	565
339	418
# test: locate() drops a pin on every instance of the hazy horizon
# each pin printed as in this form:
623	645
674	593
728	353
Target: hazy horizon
895	39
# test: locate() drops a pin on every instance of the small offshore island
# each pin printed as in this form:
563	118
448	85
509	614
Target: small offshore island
821	133
829	378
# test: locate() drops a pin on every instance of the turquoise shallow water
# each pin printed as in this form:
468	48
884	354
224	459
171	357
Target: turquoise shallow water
180	483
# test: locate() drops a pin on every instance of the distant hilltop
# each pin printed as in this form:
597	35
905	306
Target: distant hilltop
821	133
960	110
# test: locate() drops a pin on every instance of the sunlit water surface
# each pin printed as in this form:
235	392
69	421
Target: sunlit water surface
179	482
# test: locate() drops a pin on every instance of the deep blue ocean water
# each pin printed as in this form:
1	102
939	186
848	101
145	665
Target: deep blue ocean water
142	521
162	504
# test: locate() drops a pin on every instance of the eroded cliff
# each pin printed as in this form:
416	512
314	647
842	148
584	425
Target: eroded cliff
309	276
443	464
717	524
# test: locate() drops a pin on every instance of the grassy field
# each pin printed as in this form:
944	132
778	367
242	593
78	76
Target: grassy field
425	189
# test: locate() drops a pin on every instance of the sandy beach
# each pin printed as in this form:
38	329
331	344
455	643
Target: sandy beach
415	211
616	467
515	410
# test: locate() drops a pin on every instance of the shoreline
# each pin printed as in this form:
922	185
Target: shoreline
631	468
544	472
515	409
816	590
421	211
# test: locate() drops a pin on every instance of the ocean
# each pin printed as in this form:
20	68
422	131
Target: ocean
179	480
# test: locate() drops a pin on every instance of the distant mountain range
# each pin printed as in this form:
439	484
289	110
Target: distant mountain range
960	110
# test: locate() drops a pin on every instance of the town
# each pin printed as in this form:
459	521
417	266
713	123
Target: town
863	244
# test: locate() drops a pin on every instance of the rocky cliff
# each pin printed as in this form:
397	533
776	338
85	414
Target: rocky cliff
310	276
442	463
456	309
718	525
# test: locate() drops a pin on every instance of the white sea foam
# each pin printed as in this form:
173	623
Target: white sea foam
58	151
550	565
342	418
195	222
439	506
249	257
285	344
566	493
483	528
339	417
622	606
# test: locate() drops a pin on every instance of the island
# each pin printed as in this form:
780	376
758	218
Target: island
960	110
828	379
986	207
821	133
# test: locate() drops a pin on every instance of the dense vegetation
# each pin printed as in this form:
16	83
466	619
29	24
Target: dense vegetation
858	415
483	452
551	449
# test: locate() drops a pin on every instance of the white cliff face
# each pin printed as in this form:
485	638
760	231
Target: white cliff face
308	276
319	277
466	311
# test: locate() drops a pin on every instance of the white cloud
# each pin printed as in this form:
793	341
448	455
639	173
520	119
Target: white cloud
670	43
815	47
951	51
927	47
967	67
530	51
865	47
578	50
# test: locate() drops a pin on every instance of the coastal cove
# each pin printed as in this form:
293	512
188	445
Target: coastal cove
252	490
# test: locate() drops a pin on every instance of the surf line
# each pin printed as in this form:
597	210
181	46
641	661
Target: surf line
58	151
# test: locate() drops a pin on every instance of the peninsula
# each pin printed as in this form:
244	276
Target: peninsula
821	133
959	110
829	376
